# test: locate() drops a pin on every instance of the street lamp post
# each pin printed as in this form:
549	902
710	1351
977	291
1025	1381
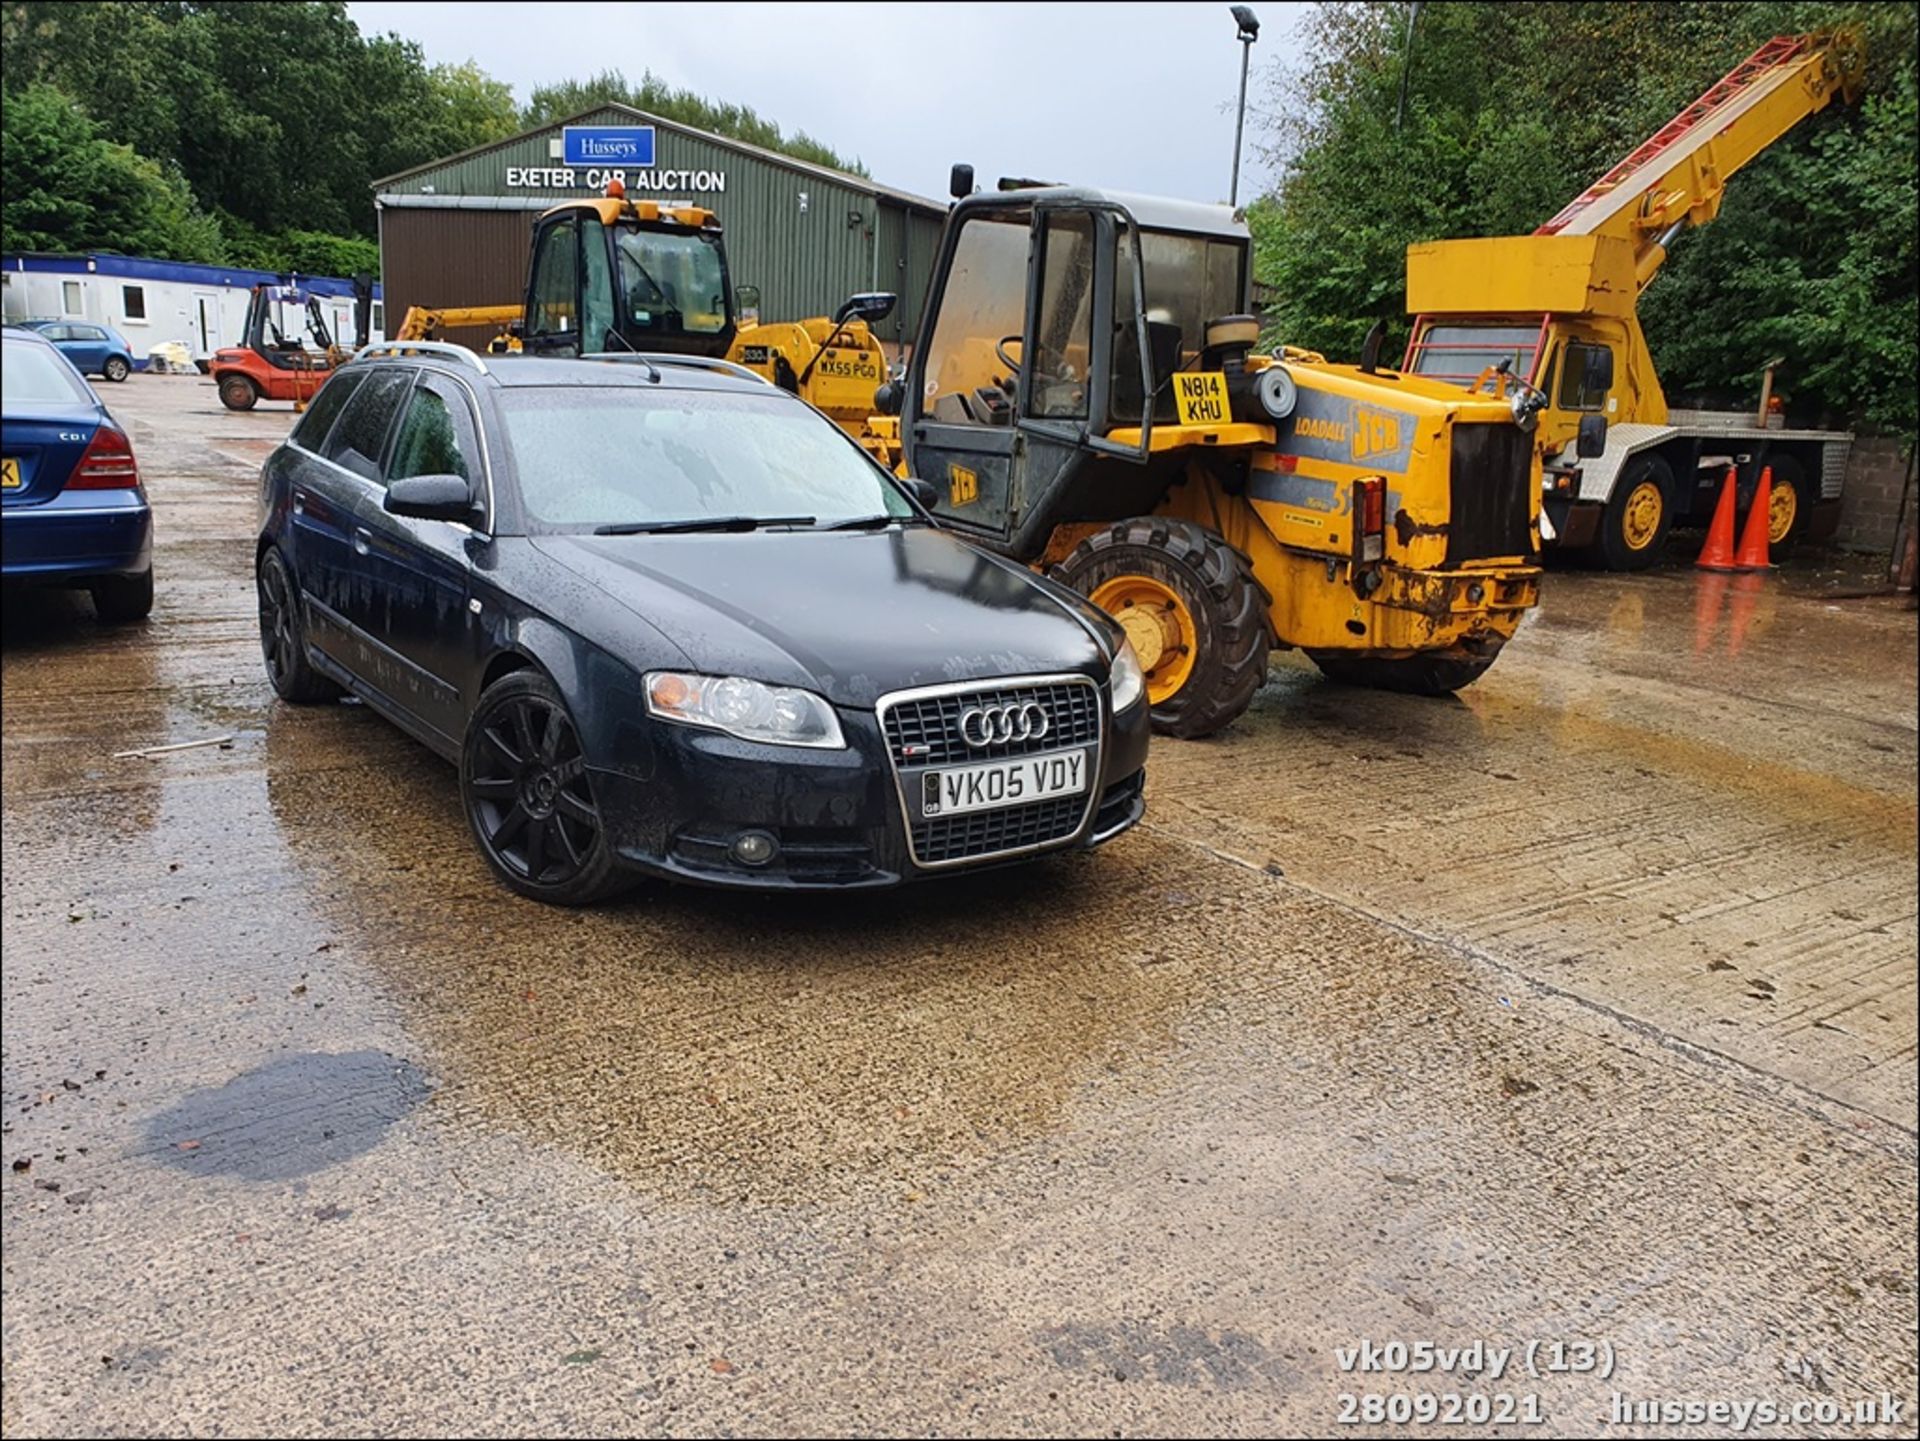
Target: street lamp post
1249	24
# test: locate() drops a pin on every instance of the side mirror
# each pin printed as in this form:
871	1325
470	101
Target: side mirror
960	182
431	497
870	305
1593	433
924	492
1598	378
889	396
746	304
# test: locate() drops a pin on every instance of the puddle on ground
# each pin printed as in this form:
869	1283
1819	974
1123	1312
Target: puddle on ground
288	1118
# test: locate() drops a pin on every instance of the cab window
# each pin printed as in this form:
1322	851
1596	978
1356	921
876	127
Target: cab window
1190	279
981	307
1577	365
556	284
596	296
1063	341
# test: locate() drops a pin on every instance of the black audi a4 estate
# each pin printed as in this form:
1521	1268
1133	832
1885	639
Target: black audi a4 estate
669	619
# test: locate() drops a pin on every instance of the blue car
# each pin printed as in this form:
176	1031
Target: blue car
93	349
72	509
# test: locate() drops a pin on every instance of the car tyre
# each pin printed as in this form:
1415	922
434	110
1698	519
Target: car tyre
237	392
123	599
283	641
116	369
528	795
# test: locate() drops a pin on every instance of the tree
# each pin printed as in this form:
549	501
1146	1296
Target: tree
69	189
653	95
1512	109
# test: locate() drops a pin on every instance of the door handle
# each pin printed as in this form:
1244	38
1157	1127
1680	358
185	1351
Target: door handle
362	541
299	503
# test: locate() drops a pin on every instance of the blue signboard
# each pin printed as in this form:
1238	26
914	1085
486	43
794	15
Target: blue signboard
608	144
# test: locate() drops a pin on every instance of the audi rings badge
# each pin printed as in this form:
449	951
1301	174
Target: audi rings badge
998	725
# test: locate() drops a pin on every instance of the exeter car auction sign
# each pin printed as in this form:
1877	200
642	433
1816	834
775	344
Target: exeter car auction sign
595	154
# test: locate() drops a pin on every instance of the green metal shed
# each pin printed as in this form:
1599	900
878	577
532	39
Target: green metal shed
457	231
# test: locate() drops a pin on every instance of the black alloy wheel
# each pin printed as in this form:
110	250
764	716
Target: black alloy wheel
523	776
282	646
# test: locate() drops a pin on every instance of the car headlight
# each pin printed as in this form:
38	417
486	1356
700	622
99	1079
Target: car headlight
1278	394
778	715
1126	679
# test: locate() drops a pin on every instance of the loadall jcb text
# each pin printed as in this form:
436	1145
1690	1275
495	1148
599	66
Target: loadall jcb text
1560	307
1084	396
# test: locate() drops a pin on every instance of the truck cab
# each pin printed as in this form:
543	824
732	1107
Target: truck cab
614	274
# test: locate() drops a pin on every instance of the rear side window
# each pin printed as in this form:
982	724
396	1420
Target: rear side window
311	432
34	374
361	435
436	436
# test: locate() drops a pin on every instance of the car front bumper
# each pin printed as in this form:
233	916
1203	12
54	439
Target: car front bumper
77	536
836	816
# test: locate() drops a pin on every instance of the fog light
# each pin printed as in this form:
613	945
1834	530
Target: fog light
754	848
1476	593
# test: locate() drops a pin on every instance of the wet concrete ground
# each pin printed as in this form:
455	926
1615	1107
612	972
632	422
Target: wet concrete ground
1582	1009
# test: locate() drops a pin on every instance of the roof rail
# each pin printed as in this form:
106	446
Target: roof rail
697	362
422	347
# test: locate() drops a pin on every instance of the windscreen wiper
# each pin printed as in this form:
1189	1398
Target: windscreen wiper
870	522
701	522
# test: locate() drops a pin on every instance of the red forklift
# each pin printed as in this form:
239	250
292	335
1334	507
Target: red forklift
270	365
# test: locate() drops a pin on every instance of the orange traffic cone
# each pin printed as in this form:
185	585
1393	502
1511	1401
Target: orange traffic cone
1753	540
1718	552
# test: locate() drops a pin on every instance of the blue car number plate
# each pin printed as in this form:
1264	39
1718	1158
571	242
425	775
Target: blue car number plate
956	790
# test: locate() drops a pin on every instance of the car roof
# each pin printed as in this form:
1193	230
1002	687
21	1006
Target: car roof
675	372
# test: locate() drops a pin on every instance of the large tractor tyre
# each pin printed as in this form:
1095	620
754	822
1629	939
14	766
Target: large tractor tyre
1428	675
1638	517
1789	504
237	392
1190	605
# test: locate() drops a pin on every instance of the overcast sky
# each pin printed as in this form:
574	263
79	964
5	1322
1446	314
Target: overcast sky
1129	96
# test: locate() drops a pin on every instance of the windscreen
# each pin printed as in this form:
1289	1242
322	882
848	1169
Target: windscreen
35	375
1459	353
670	283
620	455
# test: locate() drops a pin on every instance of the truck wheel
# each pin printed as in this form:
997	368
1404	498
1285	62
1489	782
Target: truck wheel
237	392
1634	526
1190	605
1789	503
1428	675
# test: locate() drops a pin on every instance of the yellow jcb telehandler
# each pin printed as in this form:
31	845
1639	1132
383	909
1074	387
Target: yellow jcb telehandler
1085	396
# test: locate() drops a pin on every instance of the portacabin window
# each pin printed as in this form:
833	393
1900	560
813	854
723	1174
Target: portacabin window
133	302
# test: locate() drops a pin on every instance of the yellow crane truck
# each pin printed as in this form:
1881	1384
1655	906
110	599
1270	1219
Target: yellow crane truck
1560	308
